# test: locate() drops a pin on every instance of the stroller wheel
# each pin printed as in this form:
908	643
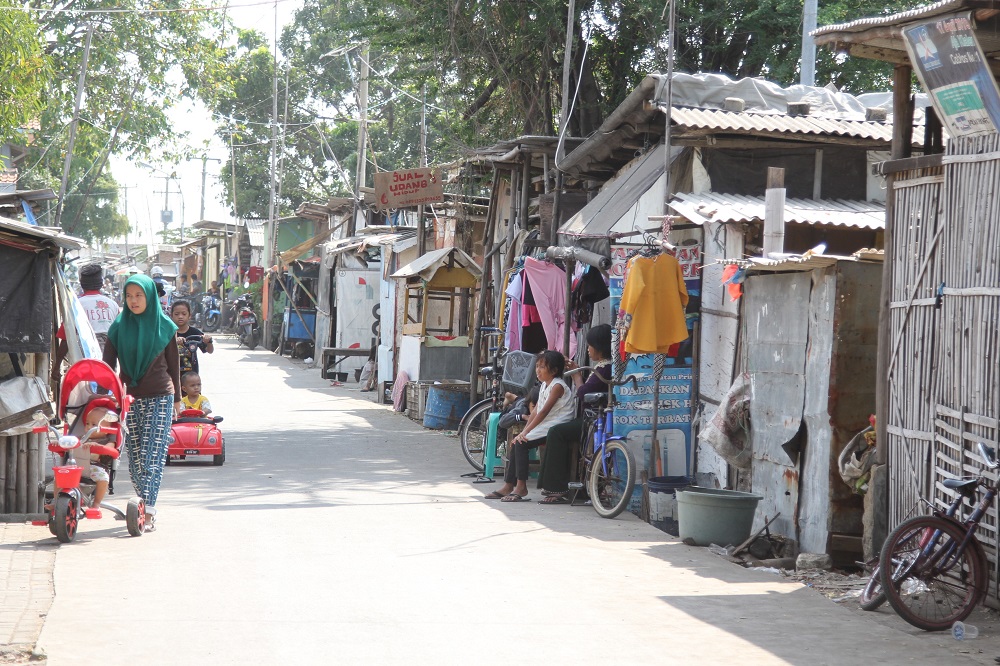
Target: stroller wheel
135	516
66	518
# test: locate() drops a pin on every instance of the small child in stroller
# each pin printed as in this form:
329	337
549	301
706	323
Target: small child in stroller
100	465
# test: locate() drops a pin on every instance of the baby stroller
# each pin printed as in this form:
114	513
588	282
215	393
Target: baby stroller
88	385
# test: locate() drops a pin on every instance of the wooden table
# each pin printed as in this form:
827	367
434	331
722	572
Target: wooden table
331	356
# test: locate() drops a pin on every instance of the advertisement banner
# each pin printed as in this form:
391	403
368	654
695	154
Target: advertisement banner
951	66
410	187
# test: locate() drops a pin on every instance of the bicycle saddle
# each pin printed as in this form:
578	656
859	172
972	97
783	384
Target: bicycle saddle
594	398
965	486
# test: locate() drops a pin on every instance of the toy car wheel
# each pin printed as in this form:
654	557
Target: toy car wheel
135	516
167	461
52	524
66	518
221	458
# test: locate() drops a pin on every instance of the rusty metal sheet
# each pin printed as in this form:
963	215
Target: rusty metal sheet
777	333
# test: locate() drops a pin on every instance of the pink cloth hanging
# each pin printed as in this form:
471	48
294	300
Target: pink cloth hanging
548	287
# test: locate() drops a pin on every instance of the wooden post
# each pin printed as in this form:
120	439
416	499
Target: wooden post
423	310
902	112
774	211
22	474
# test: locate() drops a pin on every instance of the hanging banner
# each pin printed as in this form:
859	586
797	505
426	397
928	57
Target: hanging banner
410	187
951	66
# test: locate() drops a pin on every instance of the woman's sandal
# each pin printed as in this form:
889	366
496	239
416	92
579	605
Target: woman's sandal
495	495
514	497
554	499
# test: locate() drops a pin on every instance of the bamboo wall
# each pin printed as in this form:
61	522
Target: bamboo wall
945	317
22	469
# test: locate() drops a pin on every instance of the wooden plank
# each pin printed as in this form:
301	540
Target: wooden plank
895	166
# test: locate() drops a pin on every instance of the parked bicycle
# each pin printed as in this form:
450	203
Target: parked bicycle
933	570
473	430
605	464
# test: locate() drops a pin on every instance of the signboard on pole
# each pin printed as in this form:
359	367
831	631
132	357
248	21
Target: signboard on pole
951	66
410	187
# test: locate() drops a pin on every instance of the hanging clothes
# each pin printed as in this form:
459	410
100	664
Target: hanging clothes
512	333
533	338
653	303
588	290
548	286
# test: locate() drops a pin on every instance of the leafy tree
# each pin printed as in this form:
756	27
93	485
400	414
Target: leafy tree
140	64
24	70
488	71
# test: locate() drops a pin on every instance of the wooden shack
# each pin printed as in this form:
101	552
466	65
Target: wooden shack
29	284
939	337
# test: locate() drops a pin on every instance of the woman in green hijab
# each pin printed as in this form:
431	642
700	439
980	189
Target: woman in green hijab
142	340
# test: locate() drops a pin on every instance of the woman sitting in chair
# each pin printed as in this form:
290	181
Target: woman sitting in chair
564	438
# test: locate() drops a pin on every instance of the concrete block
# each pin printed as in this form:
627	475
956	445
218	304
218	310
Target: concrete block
813	561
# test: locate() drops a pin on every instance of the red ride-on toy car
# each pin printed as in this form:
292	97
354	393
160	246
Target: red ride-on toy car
89	385
194	434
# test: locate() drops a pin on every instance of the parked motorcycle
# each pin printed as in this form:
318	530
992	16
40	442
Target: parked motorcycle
247	329
212	314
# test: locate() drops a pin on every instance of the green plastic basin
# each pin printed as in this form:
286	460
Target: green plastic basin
722	517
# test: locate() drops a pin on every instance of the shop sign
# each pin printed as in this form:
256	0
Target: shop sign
410	187
951	66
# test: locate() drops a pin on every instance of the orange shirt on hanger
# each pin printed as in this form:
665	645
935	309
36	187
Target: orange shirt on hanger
654	299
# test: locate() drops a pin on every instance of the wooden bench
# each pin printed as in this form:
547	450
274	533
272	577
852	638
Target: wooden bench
331	356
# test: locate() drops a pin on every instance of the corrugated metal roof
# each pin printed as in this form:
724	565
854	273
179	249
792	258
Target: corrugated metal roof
915	14
791	262
255	232
714	207
778	123
37	234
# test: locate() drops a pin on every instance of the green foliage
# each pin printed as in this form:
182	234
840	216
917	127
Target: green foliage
24	71
140	65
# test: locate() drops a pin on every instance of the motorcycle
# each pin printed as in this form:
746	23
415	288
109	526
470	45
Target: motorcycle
211	313
247	329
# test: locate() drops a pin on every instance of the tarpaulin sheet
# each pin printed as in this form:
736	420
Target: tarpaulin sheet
25	301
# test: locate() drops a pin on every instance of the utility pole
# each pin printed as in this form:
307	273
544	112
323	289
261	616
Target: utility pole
270	254
362	139
205	159
421	227
808	68
81	84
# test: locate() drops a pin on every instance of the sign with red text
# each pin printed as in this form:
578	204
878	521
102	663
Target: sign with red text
410	187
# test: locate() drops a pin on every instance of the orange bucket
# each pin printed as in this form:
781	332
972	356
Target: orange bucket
68	476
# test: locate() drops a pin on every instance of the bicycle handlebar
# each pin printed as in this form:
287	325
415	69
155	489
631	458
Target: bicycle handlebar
609	382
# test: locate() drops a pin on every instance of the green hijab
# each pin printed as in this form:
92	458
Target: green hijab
141	338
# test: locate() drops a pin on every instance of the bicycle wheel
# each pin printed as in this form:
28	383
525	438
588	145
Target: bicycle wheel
872	595
472	433
928	582
612	479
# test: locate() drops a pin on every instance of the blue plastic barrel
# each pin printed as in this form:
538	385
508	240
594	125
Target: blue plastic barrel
446	405
662	494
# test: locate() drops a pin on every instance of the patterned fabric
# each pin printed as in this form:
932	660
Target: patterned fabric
148	427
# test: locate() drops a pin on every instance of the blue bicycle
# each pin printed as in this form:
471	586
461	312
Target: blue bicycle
604	463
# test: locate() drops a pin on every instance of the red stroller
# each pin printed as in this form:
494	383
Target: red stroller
88	385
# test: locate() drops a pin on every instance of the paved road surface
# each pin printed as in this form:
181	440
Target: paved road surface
339	532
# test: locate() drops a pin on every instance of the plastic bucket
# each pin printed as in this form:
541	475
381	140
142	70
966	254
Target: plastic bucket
722	517
663	501
446	405
68	476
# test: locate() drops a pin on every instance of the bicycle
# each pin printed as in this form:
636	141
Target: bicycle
604	462
872	595
474	428
933	570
